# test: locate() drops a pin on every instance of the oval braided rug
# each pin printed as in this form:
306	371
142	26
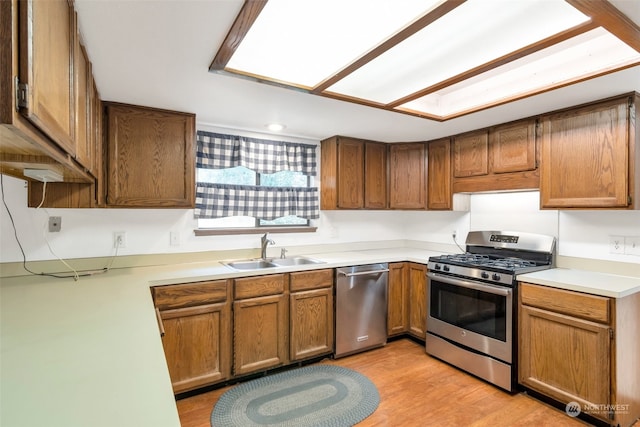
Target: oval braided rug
318	395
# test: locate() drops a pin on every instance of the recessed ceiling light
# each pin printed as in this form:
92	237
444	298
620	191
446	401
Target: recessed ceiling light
275	127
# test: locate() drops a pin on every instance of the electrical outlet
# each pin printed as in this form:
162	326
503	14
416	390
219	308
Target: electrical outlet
616	244
632	245
119	239
55	224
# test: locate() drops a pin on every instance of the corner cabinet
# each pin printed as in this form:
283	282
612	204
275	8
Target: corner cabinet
195	319
407	300
577	347
150	157
590	156
260	323
311	314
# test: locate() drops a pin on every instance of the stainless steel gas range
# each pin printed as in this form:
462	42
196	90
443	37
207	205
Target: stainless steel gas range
472	301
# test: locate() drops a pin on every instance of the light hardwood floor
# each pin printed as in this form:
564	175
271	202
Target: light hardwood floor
418	390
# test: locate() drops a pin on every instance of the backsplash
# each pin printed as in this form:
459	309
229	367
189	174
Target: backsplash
88	233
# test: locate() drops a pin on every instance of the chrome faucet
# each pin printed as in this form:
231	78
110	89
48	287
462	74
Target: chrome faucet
265	241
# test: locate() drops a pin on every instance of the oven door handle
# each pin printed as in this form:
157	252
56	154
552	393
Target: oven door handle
497	290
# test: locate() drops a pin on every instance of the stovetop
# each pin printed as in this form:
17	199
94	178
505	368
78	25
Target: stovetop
497	256
507	264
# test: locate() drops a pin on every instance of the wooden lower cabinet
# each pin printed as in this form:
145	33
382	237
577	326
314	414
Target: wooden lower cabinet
417	277
311	314
407	299
397	299
260	324
195	319
196	342
576	347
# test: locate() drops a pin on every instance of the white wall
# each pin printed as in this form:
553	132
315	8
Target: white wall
89	232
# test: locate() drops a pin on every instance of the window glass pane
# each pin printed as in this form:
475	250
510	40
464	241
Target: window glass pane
227	222
284	179
238	176
285	220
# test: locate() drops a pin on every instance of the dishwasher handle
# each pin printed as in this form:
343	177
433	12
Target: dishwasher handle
364	273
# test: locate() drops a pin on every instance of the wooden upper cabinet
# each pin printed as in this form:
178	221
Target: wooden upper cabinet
151	157
439	192
47	35
353	174
407	176
350	173
471	154
83	101
503	157
588	156
513	147
375	175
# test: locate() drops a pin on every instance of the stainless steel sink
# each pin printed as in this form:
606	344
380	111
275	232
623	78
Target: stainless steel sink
254	264
259	264
297	260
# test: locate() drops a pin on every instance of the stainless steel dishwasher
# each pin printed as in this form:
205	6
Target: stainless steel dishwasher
361	308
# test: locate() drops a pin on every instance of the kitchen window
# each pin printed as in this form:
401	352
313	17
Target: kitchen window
248	184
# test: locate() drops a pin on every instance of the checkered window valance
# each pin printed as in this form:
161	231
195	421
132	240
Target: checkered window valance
217	151
268	203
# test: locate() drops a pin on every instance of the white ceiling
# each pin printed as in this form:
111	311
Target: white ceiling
157	53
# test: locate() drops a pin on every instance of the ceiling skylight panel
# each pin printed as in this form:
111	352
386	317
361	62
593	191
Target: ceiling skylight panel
473	34
581	57
303	42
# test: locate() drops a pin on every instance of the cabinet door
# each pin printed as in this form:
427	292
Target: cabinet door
83	100
151	157
564	357
311	314
407	176
471	154
197	345
439	193
260	334
350	173
513	147
418	300
397	299
47	40
375	176
585	157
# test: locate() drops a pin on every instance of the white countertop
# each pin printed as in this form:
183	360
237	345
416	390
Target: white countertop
608	285
89	353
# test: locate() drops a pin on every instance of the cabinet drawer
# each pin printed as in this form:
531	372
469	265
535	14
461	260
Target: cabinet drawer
305	280
259	286
585	306
189	294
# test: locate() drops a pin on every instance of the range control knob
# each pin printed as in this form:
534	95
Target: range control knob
484	275
495	277
438	267
445	268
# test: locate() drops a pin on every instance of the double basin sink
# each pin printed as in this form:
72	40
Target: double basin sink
262	263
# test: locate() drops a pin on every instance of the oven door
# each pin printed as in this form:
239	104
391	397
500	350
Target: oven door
474	314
